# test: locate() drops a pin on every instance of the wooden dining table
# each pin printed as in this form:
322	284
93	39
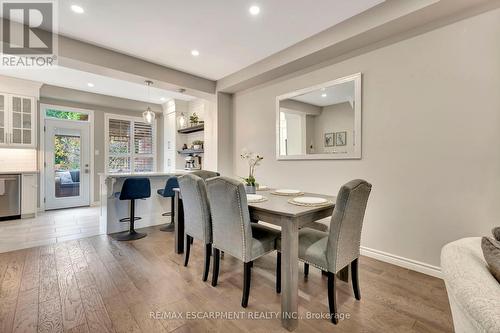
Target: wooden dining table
278	211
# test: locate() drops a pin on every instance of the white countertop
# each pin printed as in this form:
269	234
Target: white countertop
144	174
17	172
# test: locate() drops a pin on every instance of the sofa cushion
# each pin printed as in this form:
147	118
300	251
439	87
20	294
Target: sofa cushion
65	177
473	292
491	252
75	176
496	233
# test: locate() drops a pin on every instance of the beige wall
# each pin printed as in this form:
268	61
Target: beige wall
431	127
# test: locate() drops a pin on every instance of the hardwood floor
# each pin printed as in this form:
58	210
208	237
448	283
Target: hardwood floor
49	227
99	285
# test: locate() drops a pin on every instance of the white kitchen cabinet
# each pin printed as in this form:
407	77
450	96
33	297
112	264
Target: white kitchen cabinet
17	121
3	120
29	190
170	131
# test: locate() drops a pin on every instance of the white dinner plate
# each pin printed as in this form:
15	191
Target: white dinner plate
254	197
310	200
287	191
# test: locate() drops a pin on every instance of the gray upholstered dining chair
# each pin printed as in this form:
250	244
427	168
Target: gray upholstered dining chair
205	174
197	221
332	251
232	231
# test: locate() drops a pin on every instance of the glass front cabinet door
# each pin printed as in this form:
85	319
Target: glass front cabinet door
17	121
3	120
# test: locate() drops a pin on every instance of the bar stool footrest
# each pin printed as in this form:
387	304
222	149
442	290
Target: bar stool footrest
127	219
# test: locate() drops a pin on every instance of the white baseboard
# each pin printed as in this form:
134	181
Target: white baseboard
403	262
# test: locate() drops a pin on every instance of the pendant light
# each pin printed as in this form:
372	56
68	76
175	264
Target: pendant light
148	115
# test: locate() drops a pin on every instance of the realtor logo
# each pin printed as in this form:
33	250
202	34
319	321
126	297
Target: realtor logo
29	37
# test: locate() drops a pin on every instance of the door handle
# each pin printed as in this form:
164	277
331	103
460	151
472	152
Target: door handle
86	170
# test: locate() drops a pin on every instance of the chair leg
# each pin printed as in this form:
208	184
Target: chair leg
215	272
278	273
187	248
306	269
332	298
208	251
247	275
355	279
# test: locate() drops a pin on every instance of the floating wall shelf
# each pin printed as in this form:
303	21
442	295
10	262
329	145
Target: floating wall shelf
190	151
192	129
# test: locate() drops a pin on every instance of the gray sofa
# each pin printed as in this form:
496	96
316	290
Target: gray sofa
67	183
473	292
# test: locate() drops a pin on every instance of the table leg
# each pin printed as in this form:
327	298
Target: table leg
178	224
289	274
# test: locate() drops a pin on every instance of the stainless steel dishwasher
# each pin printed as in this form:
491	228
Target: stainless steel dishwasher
10	197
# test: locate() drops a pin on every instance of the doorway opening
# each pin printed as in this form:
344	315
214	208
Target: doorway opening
67	173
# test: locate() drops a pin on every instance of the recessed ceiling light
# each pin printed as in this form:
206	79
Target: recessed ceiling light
323	95
77	9
195	53
162	99
254	10
90	84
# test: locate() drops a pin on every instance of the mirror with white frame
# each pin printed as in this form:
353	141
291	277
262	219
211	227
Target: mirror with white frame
320	122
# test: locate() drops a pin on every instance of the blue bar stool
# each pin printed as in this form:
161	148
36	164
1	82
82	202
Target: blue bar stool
133	189
168	192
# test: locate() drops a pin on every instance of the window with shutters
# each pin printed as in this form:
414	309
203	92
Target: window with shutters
130	144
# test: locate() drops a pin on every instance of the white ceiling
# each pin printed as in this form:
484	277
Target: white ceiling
226	35
336	94
75	79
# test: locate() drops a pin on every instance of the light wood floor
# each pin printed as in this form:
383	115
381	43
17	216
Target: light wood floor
100	285
49	227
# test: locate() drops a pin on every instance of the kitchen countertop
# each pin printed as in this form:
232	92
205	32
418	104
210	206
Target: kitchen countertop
144	174
17	172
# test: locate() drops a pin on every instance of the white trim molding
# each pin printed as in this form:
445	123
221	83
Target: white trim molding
411	264
41	147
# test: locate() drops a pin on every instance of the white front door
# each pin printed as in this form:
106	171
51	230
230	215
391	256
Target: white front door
67	164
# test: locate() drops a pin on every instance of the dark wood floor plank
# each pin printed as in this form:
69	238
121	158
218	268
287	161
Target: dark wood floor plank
49	288
97	317
31	271
100	275
50	316
122	319
9	289
79	329
72	307
26	317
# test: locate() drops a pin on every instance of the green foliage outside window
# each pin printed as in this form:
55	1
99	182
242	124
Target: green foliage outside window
67	152
58	114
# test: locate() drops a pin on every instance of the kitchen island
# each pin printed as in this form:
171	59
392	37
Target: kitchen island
150	210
